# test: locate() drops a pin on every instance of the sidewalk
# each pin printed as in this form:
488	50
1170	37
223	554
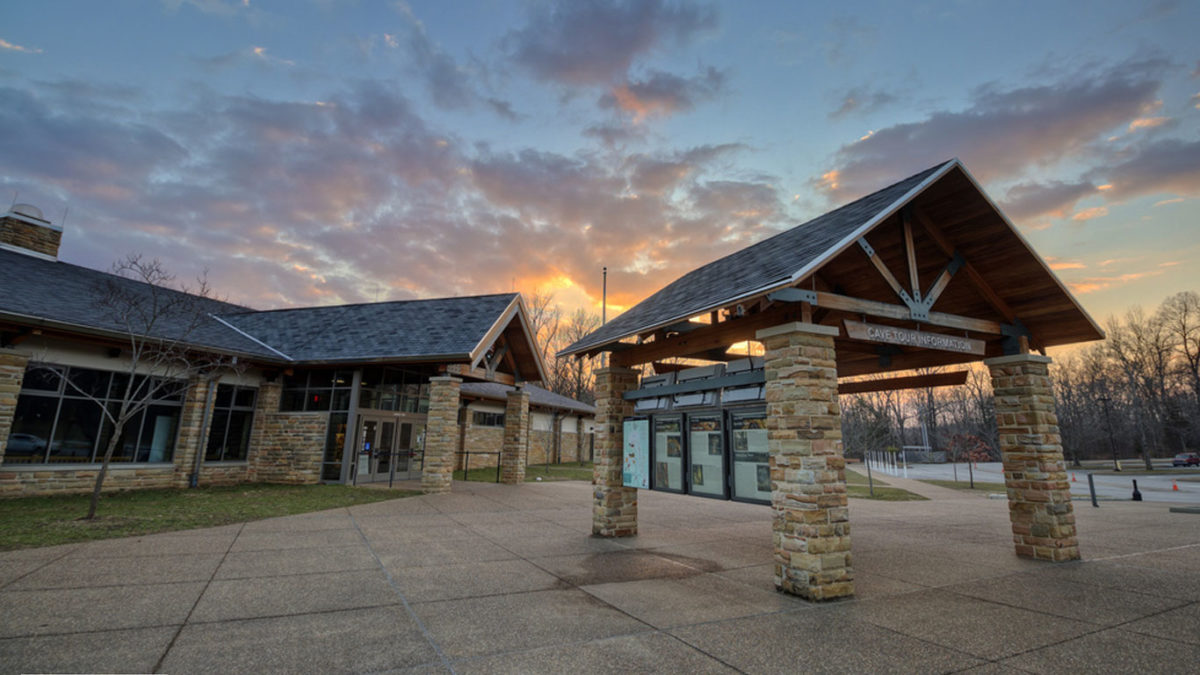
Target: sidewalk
494	578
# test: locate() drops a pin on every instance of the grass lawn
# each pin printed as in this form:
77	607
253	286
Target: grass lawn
980	486
27	522
571	471
857	486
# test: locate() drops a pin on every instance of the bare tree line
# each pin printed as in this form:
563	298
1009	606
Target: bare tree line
1135	395
555	330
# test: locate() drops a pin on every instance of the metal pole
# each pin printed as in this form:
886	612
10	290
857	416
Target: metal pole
870	481
1108	424
971	471
1092	489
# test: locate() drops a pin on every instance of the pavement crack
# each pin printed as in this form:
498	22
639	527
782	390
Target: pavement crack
158	664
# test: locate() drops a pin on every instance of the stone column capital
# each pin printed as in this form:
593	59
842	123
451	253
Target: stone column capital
797	327
1014	359
445	378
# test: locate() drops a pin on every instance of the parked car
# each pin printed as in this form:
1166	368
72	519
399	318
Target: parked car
25	444
1186	459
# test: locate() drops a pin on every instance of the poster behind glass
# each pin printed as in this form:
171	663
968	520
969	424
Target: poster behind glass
751	469
635	461
668	453
707	455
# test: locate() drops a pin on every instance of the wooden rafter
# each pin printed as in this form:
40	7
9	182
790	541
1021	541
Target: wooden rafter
465	370
721	335
982	286
907	382
913	277
883	309
885	272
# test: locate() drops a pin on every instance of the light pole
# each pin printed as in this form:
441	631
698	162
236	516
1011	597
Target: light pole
1105	398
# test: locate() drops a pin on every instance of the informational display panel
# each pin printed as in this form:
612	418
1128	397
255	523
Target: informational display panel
751	468
668	453
707	455
635	464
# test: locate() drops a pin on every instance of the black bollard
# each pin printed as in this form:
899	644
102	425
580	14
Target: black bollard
1092	489
1137	496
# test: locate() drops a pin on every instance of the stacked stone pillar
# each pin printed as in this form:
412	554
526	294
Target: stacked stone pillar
515	449
191	431
811	521
12	375
441	434
1039	494
614	507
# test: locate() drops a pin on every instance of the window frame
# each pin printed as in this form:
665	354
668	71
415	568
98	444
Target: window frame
229	409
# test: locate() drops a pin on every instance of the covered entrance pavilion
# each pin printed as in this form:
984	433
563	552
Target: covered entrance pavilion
926	272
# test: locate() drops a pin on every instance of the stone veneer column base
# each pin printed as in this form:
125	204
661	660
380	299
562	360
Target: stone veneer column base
808	480
441	434
614	507
515	449
1039	494
12	375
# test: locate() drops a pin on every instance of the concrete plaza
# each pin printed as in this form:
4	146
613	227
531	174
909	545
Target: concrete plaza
494	578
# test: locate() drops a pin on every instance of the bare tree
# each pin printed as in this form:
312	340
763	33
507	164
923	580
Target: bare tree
157	323
573	375
544	319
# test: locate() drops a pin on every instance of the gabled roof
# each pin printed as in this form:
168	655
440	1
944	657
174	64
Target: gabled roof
771	263
537	396
35	291
947	192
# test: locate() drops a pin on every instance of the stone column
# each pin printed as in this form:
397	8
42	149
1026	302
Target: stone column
579	438
515	449
1039	494
12	375
808	478
266	408
191	432
614	507
441	434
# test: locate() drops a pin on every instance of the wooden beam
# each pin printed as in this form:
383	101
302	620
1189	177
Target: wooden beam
905	361
908	382
884	271
722	335
883	309
982	286
913	277
464	370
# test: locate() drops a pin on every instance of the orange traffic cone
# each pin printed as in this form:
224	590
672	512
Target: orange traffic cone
1073	477
1174	487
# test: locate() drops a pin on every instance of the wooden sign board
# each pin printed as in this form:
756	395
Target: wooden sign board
907	337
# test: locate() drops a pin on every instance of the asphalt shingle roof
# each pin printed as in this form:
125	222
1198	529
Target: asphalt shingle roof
33	288
769	262
402	329
62	292
537	396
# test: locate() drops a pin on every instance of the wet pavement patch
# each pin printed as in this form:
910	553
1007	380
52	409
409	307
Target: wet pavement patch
618	566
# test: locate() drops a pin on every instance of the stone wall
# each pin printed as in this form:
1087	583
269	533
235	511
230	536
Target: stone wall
290	448
19	481
811	521
483	443
1039	494
12	374
37	238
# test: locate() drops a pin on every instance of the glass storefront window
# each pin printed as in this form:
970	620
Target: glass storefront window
751	467
58	418
668	453
229	430
707	466
316	390
335	443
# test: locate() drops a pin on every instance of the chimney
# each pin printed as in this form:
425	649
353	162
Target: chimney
25	230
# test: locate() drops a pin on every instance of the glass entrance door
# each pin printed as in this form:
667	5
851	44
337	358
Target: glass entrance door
390	447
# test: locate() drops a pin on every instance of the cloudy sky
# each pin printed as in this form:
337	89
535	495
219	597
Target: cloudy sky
336	151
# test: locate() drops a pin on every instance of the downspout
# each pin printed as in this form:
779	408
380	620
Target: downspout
205	417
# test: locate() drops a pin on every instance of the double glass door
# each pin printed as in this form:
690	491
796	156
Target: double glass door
390	447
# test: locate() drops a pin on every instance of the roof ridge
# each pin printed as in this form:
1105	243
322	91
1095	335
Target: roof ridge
364	304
